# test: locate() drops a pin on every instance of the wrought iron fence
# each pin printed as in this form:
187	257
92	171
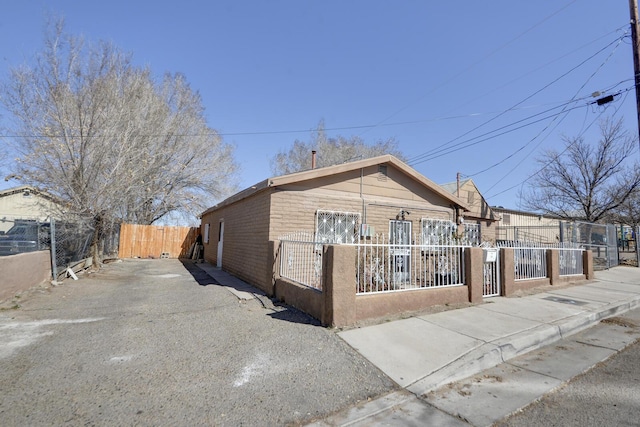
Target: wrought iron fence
384	266
529	259
571	259
301	259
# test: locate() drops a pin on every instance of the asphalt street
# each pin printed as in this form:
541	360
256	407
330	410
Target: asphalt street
156	342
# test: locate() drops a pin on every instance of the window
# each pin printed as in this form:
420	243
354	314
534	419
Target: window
337	227
437	231
206	233
442	232
506	219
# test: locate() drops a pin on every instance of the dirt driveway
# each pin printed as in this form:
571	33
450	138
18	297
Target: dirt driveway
155	342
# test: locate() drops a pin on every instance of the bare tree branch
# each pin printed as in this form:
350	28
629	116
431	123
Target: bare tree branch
330	151
109	139
585	181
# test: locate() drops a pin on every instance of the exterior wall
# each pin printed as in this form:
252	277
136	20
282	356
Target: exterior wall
296	210
377	197
246	239
478	207
386	304
23	271
511	218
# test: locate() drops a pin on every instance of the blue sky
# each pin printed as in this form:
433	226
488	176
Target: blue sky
432	75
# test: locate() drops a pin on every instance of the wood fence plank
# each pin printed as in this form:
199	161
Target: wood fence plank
151	241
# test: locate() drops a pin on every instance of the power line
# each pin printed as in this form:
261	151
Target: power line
547	127
419	158
561	153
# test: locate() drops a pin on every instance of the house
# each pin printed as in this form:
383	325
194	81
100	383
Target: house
347	203
27	203
480	214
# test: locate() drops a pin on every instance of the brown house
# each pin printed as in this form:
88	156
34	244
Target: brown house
345	203
480	214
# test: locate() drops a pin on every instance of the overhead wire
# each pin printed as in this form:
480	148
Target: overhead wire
547	127
562	152
425	156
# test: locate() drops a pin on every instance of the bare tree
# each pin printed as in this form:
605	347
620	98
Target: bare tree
108	139
586	181
629	212
330	151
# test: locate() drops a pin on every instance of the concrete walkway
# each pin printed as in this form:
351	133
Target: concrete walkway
424	353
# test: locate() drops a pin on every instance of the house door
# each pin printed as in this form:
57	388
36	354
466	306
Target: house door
400	250
220	244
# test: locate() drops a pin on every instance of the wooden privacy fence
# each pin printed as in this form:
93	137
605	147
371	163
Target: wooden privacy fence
154	241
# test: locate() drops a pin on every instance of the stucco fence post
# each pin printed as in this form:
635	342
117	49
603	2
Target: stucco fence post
339	287
474	273
507	271
553	266
587	264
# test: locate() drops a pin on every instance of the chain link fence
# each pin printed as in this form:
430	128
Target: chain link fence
68	239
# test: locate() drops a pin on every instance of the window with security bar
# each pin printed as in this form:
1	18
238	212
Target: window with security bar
442	232
337	227
437	231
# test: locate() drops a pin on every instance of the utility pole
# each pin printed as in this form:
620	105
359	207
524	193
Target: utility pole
635	25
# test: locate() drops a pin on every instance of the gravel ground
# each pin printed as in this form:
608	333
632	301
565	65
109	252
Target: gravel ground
156	342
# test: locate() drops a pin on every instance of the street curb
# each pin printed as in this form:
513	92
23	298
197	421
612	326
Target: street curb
484	356
367	410
494	352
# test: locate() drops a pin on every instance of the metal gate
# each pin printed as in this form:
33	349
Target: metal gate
400	250
601	239
491	272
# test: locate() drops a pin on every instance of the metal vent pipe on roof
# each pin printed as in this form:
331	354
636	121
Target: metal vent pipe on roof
313	159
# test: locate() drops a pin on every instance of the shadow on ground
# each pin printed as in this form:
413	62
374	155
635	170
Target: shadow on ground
278	310
198	274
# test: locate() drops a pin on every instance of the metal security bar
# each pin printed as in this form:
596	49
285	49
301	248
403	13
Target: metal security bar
388	267
337	227
301	259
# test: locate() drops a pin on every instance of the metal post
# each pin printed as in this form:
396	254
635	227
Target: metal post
54	267
633	12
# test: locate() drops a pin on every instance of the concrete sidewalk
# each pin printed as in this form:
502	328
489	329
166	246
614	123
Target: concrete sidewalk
426	352
423	353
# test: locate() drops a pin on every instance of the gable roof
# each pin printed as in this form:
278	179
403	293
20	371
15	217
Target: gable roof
337	169
485	211
27	189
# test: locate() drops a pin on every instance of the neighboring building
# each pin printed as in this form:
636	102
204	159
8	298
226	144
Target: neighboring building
480	214
25	202
526	226
337	204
